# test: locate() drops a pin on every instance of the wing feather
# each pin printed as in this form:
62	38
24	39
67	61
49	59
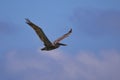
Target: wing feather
39	32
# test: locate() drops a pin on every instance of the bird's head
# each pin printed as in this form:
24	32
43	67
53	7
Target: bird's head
61	44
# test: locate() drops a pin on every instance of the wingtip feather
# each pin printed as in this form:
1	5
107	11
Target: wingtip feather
27	20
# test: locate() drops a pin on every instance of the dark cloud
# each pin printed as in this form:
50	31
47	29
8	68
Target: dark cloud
97	22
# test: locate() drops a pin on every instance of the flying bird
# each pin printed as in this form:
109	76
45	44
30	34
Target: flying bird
47	43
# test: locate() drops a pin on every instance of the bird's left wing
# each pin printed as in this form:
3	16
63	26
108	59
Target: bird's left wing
39	32
62	37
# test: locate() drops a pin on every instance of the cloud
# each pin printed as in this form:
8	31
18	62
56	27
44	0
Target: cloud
57	65
96	29
104	68
97	22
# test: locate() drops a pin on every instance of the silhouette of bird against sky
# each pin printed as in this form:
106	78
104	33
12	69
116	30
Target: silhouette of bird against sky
47	43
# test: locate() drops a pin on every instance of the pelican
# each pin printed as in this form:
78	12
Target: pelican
47	43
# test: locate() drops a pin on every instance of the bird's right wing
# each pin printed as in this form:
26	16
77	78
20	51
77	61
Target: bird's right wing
62	37
39	32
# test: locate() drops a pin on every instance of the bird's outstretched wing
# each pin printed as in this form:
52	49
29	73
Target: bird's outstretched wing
39	32
62	37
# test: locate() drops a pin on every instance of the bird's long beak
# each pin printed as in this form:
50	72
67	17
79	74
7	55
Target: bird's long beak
62	44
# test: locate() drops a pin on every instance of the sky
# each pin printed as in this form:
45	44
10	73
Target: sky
93	51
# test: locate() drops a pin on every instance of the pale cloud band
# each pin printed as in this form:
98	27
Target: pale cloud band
57	65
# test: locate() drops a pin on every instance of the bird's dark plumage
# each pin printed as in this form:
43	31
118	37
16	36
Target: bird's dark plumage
43	37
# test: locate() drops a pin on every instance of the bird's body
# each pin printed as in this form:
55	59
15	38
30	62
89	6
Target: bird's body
46	41
50	47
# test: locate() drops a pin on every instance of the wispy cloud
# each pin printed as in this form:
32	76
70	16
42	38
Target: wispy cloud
61	66
7	28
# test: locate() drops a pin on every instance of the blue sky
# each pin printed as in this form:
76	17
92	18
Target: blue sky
94	42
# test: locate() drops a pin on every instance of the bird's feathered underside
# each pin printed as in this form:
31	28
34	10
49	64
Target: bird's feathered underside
39	32
62	37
